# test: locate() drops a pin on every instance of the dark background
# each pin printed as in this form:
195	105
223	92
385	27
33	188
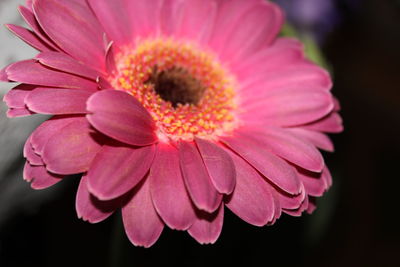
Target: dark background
356	223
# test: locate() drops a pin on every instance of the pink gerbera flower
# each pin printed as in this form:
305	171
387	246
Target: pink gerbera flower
173	110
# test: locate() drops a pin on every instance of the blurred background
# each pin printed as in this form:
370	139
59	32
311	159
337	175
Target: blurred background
356	221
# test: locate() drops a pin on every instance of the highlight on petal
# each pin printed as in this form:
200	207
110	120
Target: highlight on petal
168	191
207	228
120	116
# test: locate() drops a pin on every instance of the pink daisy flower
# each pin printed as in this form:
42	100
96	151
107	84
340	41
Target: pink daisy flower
173	110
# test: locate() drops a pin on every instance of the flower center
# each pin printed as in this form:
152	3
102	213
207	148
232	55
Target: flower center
185	89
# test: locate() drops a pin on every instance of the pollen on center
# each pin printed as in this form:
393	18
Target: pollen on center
185	89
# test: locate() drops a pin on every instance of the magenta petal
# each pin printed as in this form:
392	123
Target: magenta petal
168	191
32	72
146	22
65	63
90	208
57	101
313	182
39	177
292	202
219	164
275	169
252	199
117	169
18	112
318	139
332	123
30	155
28	37
15	98
72	149
198	182
110	59
120	116
3	75
288	146
142	224
61	21
207	227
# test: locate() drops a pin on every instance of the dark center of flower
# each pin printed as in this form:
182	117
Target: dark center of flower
177	86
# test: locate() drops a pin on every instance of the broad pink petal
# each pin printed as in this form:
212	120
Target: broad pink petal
290	147
114	17
198	182
170	16
15	98
72	149
32	72
18	112
142	224
146	22
332	123
30	155
3	75
313	182
65	63
318	139
252	199
207	227
168	190
117	169
73	28
89	208
28	37
120	116
57	101
327	177
219	164
291	202
275	169
39	177
298	212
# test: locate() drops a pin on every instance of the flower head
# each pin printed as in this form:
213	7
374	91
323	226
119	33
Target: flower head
173	110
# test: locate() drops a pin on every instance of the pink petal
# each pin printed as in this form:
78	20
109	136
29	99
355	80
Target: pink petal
117	169
114	17
141	222
198	182
332	123
313	182
207	228
193	26
111	66
252	199
28	37
168	191
275	169
63	62
30	155
290	202
32	72
290	147
120	116
57	101
15	98
18	112
170	16
318	139
73	28
219	164
90	208
39	177
289	107
298	212
103	83
3	75
327	177
72	149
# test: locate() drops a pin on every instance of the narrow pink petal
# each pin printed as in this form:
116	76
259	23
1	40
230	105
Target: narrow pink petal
142	224
32	72
277	205
18	112
57	101
39	177
120	116
72	149
168	190
89	208
103	83
207	228
28	37
327	177
117	169
15	98
313	182
65	63
193	25
46	130
312	205
275	169
198	182
332	123
170	16
219	164
291	202
289	107
3	75
114	17
111	66
30	19
299	211
318	139
252	199
61	21
290	147
30	155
